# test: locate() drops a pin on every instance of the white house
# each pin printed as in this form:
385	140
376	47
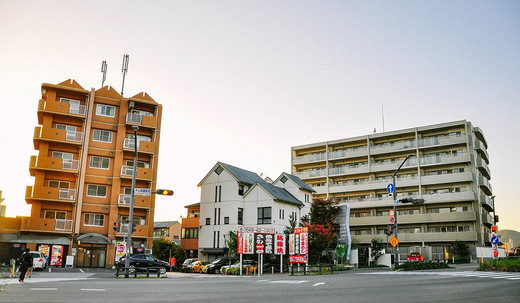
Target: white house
233	197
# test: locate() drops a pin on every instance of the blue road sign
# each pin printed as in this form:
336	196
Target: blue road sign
390	188
494	240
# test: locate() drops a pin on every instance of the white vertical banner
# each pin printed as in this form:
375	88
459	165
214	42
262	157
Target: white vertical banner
249	240
279	245
291	244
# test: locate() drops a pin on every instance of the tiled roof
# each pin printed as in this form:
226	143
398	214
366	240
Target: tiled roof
300	183
242	175
280	194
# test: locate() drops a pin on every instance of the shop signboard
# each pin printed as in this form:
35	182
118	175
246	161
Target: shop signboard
279	245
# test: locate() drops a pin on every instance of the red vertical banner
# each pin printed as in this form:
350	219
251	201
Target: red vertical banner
240	248
304	243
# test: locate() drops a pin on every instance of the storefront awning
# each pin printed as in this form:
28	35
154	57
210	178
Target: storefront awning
38	239
94	238
212	251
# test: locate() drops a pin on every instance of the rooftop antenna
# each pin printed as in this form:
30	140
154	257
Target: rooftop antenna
104	71
383	117
124	71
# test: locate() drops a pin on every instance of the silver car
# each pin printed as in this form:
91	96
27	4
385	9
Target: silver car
39	260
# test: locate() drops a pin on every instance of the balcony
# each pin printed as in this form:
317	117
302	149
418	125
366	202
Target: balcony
487	203
46	225
469	236
142	173
483	168
450	197
140	230
487	219
442	140
62	108
479	147
140	201
447	178
415	219
50	194
480	135
310	158
52	164
56	135
485	185
348	169
141	120
348	153
444	159
314	173
142	146
392	147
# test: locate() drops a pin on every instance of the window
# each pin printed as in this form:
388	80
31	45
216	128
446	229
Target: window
96	190
66	127
217	216
219	170
264	215
74	105
94	220
99	162
102	136
55	214
139	164
281	214
105	110
190	233
218	193
135	221
284	179
59	184
208	221
240	190
226	220
240	216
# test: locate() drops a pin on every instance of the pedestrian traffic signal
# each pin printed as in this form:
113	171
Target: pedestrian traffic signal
164	192
117	226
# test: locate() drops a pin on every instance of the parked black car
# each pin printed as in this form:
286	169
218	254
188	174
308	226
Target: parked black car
143	262
214	267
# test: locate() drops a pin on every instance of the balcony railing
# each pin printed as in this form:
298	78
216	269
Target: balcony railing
134	118
441	140
79	110
67	194
63	224
130	143
127	170
70	164
74	136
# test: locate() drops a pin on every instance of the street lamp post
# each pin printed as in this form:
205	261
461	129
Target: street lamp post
131	211
396	256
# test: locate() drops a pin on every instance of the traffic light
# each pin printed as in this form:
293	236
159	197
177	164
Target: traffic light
164	192
133	228
117	226
389	230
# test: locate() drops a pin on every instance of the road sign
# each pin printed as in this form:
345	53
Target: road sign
494	239
142	191
340	250
392	220
391	212
390	188
259	247
394	241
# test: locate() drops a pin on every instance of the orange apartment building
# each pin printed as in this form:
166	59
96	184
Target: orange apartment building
190	230
83	174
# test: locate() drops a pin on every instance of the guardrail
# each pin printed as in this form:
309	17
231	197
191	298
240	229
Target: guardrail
121	271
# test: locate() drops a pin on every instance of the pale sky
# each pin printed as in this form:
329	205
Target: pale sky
243	81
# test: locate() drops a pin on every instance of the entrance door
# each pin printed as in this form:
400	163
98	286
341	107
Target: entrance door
91	255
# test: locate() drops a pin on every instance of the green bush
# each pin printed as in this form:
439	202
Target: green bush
511	265
422	265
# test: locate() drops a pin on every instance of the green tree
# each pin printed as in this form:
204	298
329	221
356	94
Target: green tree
231	244
164	249
460	250
322	228
377	247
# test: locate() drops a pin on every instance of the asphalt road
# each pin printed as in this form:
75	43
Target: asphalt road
457	285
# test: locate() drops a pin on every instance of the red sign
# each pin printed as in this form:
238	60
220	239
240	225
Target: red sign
302	259
240	243
260	247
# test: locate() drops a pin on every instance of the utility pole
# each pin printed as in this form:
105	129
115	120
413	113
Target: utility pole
131	211
396	257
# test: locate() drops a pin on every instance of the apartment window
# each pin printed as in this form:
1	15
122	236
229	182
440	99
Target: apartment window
135	221
102	136
139	164
105	110
281	214
217	216
74	105
240	190
99	162
55	214
96	190
264	215
94	220
139	138
208	221
240	220
216	239
59	184
218	193
226	220
190	233
69	128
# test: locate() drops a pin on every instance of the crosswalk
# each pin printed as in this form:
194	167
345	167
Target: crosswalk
472	274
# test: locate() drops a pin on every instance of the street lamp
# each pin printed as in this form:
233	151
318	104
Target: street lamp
131	211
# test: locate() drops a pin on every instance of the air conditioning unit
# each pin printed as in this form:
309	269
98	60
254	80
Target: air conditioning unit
131	104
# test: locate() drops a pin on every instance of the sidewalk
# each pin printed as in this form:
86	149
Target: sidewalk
58	274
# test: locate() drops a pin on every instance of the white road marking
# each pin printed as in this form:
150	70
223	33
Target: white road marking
319	284
92	289
81	270
287	282
43	288
473	274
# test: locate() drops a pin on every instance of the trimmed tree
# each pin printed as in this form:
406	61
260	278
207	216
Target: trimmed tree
377	247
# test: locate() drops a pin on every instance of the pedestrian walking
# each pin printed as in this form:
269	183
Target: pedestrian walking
27	261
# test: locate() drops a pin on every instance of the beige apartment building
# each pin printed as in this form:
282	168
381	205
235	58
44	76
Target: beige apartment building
448	169
83	174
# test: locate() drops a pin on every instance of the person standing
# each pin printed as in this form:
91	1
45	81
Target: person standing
27	261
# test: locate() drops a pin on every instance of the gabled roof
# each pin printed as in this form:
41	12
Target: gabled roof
277	193
70	85
241	175
143	97
108	91
164	224
298	181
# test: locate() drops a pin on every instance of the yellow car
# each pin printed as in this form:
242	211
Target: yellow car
199	267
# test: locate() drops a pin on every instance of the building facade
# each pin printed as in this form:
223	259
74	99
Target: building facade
233	197
448	169
167	230
190	230
83	173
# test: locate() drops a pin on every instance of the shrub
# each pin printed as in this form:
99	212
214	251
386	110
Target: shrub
511	265
422	265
